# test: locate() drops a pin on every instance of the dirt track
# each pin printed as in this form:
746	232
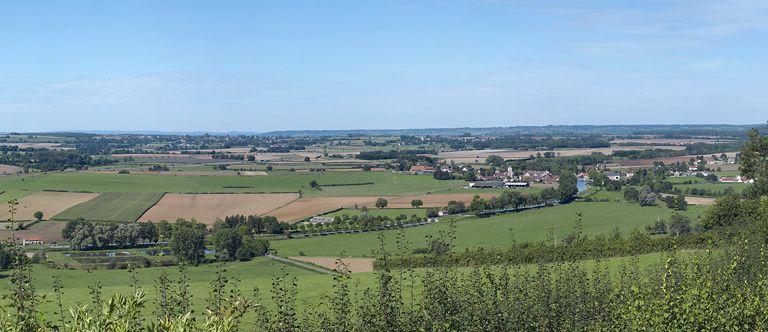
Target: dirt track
355	265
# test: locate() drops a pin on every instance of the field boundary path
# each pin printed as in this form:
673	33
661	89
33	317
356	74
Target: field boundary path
300	264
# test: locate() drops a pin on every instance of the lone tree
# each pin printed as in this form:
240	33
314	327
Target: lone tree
188	244
306	159
566	188
314	184
494	160
38	215
417	203
381	203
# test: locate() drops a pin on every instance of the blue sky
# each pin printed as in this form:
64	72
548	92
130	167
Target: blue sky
271	65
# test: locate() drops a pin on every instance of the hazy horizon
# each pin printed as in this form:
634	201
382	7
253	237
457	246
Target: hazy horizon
245	66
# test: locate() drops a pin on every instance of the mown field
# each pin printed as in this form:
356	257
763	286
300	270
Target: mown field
332	183
496	231
112	207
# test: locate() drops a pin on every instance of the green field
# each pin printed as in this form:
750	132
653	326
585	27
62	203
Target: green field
531	225
392	213
8	195
384	183
112	207
312	287
717	186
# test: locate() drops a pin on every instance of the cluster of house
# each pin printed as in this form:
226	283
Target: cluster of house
737	179
509	179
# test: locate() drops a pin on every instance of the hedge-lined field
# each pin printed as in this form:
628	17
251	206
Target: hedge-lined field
112	207
496	231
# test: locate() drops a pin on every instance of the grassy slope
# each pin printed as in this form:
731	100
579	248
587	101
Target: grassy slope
532	225
312	287
112	207
385	183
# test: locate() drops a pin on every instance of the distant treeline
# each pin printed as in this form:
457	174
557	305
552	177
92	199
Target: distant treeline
690	149
51	160
532	142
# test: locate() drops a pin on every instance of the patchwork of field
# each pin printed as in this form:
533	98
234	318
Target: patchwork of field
471	155
546	224
310	206
355	265
670	160
306	207
50	203
112	207
206	208
37	145
332	183
8	169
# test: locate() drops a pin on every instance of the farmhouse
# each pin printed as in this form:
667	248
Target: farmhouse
737	179
420	169
613	176
32	240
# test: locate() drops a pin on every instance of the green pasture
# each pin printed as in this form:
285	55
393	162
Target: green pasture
10	194
716	186
495	231
312	288
392	213
384	183
112	207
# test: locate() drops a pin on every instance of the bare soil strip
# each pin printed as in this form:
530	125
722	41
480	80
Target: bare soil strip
8	169
355	265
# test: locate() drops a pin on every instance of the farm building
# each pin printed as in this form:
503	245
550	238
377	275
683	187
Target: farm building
32	240
420	169
613	176
516	185
486	184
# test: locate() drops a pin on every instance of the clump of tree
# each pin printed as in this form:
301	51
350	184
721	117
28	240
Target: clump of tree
234	240
86	235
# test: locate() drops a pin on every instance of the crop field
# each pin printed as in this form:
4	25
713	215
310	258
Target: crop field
49	231
337	183
50	203
311	206
8	169
112	207
206	208
495	231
